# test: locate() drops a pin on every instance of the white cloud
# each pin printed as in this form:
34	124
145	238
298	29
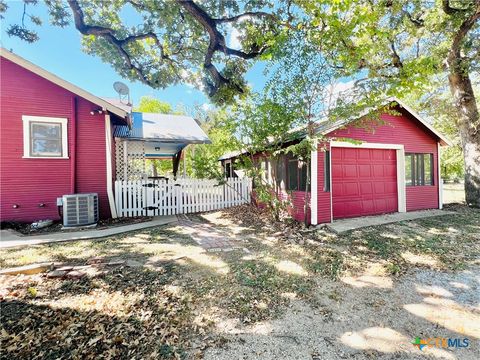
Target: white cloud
338	90
234	39
206	106
236	34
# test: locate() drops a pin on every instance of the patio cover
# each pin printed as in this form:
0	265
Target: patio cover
164	135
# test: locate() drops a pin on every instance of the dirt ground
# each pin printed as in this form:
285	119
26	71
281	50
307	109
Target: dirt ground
366	317
283	292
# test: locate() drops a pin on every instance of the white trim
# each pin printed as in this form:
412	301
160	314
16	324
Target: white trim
439	179
314	184
331	183
108	154
365	145
401	188
62	83
27	119
419	118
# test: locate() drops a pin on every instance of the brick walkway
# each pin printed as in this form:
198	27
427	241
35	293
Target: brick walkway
208	236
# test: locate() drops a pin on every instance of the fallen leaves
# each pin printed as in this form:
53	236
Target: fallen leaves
123	314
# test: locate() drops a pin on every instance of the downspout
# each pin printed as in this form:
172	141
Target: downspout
108	153
73	149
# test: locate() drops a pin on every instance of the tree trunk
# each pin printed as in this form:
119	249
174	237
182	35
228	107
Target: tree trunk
469	127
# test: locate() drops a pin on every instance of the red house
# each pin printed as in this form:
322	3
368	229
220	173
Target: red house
394	168
56	139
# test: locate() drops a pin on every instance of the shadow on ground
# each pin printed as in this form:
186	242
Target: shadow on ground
365	294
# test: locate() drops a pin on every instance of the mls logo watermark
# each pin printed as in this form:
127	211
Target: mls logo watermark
440	342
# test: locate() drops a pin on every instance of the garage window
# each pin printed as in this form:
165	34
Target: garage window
296	175
326	164
418	169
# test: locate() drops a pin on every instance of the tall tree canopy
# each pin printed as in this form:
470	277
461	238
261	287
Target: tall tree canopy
391	47
400	46
172	41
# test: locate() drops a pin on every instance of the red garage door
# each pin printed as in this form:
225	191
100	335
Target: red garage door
364	182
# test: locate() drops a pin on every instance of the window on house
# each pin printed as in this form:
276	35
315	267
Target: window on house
228	170
326	164
292	171
44	137
296	175
418	169
281	176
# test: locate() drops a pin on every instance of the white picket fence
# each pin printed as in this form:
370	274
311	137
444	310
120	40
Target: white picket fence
183	196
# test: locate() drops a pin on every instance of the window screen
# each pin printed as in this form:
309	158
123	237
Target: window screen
326	164
418	169
302	177
292	171
409	169
45	139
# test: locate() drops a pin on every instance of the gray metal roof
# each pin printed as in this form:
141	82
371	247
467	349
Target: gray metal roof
164	128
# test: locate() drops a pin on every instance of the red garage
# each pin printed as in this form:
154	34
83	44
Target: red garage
390	166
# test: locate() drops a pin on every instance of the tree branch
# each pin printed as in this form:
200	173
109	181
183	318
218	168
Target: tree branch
109	35
465	27
451	10
251	14
216	40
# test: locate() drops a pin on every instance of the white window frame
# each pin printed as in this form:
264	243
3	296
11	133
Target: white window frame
27	120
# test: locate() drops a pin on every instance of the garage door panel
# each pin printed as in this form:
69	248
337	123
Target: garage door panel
378	170
349	154
351	189
379	188
364	182
350	171
364	170
363	154
369	206
366	188
391	188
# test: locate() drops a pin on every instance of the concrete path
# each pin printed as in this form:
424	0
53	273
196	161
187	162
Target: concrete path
9	238
343	225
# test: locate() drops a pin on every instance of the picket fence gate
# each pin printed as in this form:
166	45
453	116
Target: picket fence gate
181	196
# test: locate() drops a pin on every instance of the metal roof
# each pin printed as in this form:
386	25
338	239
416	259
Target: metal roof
164	128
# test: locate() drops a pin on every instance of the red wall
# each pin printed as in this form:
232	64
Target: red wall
29	182
403	129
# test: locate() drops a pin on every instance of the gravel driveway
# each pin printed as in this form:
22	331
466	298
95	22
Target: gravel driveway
369	317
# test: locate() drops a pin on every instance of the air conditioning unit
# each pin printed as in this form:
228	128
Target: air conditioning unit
80	209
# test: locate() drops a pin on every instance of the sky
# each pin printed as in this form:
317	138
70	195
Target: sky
59	51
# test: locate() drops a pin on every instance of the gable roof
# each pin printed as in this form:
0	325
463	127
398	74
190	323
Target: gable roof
63	83
325	127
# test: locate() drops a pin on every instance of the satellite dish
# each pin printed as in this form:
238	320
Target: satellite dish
123	92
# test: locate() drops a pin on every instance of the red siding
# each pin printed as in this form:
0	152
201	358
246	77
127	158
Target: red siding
29	182
297	199
401	129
